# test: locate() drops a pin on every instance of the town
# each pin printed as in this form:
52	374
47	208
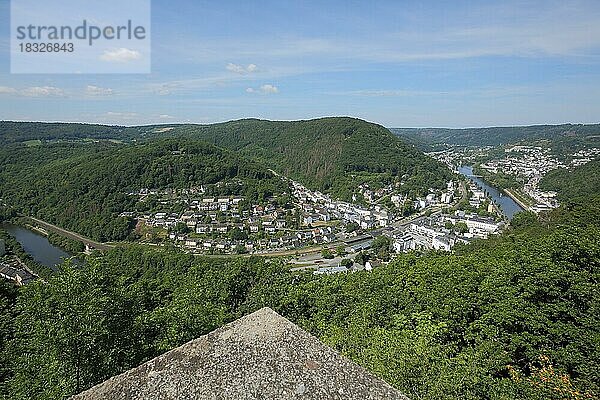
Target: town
13	269
526	165
306	221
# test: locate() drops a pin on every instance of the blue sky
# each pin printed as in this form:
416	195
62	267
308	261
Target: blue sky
398	63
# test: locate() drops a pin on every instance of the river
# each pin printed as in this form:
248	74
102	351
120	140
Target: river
37	245
507	205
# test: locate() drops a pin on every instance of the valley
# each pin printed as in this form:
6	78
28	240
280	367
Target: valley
187	231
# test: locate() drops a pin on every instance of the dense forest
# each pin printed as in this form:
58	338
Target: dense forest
329	154
576	183
565	135
32	133
19	132
83	187
514	317
304	142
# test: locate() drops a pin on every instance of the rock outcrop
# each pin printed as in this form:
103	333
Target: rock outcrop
259	356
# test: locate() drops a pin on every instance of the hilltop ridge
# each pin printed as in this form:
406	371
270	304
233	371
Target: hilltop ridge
332	154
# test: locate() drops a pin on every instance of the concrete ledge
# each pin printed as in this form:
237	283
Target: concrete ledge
259	356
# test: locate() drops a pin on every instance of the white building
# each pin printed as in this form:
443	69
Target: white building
441	243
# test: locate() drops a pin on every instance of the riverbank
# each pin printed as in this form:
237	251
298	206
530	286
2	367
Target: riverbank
15	249
506	203
70	235
65	243
509	192
37	229
34	248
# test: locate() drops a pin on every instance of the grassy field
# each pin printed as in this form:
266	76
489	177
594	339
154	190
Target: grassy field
31	143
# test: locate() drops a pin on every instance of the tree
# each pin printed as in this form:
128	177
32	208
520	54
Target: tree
181	227
238	234
361	258
326	253
340	251
239	249
351	227
407	208
8	298
381	246
461	227
71	333
346	262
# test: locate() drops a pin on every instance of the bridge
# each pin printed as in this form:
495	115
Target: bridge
89	243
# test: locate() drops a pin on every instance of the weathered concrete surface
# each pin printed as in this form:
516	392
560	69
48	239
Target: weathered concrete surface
260	356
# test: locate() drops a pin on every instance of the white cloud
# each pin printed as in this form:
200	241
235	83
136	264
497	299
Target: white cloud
34	91
488	91
163	89
264	89
166	116
529	29
121	55
52	91
269	89
121	115
404	93
8	90
193	84
42	91
240	69
92	90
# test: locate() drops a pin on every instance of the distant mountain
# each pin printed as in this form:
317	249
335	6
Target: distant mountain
334	155
425	137
330	154
16	132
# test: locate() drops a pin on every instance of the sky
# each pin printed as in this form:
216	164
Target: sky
396	63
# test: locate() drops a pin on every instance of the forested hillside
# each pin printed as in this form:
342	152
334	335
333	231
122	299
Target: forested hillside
495	136
18	132
330	154
512	317
82	187
575	183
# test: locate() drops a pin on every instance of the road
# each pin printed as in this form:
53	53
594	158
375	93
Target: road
71	235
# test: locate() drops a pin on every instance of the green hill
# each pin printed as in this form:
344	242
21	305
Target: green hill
18	132
83	187
330	154
577	183
568	134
